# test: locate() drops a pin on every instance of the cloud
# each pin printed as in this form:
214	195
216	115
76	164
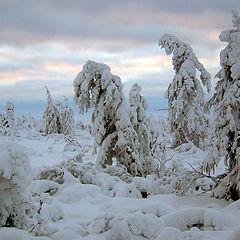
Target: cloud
30	22
47	42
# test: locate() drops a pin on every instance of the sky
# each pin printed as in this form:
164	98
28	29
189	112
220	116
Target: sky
47	42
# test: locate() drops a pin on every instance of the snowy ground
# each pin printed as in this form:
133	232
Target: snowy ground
99	205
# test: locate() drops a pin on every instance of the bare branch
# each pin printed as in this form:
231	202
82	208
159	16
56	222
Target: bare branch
215	179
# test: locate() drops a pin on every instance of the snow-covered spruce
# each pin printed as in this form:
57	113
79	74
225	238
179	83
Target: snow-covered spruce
141	124
225	131
158	141
96	87
67	116
16	203
58	118
185	94
3	129
7	120
51	116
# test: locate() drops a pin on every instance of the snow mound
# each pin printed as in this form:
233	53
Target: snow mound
203	218
17	234
133	226
170	233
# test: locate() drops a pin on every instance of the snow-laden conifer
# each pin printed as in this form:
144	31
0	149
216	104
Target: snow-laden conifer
7	120
225	131
141	124
67	119
16	203
10	115
185	94
51	116
158	141
95	87
3	129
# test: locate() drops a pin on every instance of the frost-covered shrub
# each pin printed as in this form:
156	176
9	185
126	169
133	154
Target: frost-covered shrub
44	186
185	94
225	128
27	127
146	185
114	134
80	125
16	203
119	172
54	173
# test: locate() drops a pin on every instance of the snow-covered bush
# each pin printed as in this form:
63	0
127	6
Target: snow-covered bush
185	94
16	203
55	174
27	127
225	127
95	87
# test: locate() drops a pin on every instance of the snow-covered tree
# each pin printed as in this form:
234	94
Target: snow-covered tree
51	116
16	203
58	118
158	141
7	120
225	131
3	129
10	115
185	94
95	87
67	119
139	120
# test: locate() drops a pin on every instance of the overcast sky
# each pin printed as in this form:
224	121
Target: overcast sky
46	42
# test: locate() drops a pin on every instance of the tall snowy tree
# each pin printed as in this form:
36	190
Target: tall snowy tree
95	87
225	132
67	117
7	120
140	123
158	139
10	115
51	116
185	94
139	120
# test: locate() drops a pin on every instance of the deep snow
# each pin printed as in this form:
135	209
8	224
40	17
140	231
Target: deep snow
100	206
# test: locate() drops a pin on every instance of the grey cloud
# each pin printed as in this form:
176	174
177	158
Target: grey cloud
25	22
